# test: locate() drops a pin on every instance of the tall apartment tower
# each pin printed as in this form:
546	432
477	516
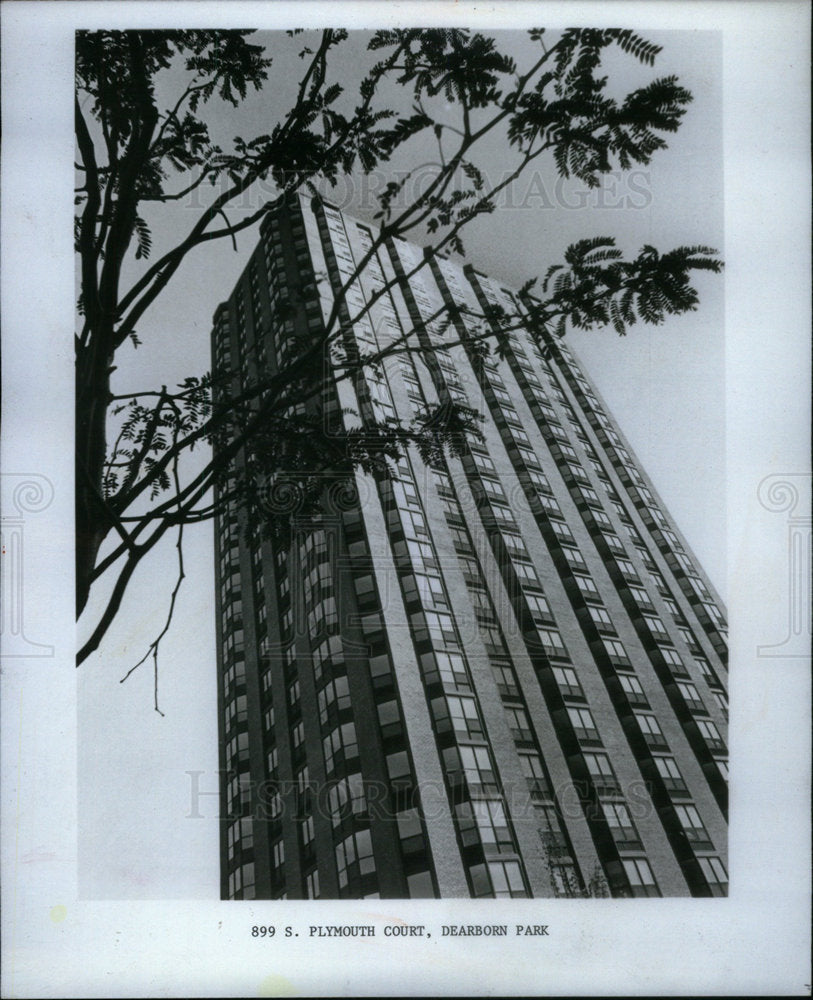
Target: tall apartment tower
500	674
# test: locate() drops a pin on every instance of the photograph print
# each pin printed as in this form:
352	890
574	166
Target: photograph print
392	348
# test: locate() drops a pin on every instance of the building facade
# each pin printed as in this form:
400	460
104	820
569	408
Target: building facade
498	673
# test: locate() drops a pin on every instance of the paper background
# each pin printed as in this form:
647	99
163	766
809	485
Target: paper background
56	943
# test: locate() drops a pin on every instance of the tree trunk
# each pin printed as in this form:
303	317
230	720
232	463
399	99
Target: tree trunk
92	519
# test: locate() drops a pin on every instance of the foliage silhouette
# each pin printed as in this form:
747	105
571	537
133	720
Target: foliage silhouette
137	152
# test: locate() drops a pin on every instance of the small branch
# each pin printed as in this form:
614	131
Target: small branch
164	197
231	229
172	115
155	644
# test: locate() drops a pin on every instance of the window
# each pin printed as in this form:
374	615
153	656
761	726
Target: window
518	723
589	495
634	691
587	586
389	718
506	879
306	832
540	609
565	879
410	831
642	881
689	639
575	559
347	797
601	518
312	884
716	875
669	771
237	711
441	626
722	701
620	823
601	618
240	836
460	539
494	490
487	817
568	682
557	430
563	533
539	481
503	514
241	882
616	652
334	693
354	857
452	668
462	715
414	524
691	696
583	725
714	613
470	570
421	554
329	651
627	569
476	765
237	752
614	543
526	573
322	617
552	642
642	598
451	509
692	824
365	591
484	464
601	771
672	657
704	668
491	639
398	765
711	734
534	773
419	886
656	626
428	588
506	680
268	718
550	505
652	731
515	546
341	741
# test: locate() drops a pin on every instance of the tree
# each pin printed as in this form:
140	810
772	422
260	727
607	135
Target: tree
139	154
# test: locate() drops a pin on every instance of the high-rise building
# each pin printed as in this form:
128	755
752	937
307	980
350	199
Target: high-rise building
494	673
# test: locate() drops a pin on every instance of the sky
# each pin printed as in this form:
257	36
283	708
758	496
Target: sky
665	387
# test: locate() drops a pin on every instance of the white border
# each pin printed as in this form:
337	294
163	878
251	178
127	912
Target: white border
758	940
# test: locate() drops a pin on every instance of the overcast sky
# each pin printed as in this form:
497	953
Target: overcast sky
665	386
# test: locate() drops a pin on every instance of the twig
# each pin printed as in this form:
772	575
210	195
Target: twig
153	647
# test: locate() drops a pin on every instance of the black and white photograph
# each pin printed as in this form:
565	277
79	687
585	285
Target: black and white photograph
399	505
